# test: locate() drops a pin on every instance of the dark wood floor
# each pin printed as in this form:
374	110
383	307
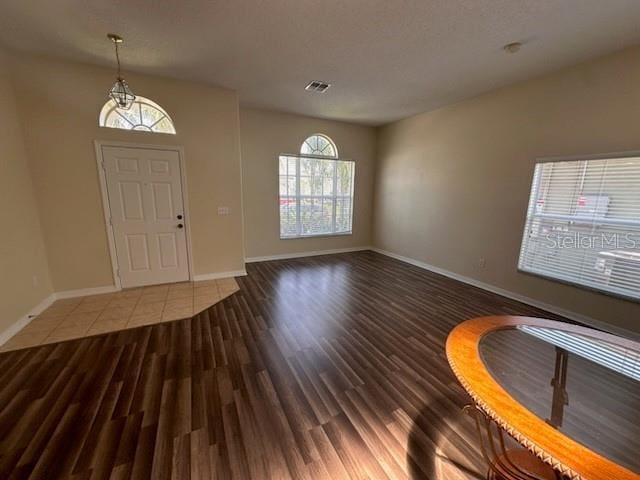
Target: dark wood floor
326	368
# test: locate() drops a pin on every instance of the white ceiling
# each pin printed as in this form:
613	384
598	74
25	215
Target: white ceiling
386	59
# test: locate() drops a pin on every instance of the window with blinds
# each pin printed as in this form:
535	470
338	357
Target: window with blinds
583	224
316	192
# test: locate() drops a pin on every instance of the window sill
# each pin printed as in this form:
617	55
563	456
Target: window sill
582	286
322	235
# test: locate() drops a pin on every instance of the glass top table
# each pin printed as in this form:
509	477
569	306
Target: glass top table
587	388
569	394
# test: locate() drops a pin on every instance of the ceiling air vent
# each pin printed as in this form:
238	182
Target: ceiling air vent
317	86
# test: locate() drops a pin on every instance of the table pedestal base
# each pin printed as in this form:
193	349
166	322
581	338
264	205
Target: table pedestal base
506	463
528	466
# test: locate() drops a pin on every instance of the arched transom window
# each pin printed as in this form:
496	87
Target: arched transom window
145	115
316	190
319	145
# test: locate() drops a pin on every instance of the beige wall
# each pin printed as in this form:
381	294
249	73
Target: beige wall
453	184
437	175
60	102
264	136
24	274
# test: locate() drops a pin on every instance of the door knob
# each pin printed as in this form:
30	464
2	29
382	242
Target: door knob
179	217
180	225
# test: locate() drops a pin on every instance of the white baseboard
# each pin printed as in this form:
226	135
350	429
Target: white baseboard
577	317
284	256
84	292
44	304
217	275
25	319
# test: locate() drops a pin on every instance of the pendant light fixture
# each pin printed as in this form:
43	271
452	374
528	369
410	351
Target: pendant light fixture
120	93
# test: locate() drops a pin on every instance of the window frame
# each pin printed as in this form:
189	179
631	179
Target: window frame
531	205
334	196
109	108
329	141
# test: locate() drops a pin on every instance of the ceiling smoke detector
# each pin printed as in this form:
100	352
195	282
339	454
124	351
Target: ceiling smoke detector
512	47
317	86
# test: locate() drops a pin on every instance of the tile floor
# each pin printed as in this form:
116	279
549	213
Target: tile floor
71	318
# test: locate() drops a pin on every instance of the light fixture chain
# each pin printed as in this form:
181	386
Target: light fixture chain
120	92
118	59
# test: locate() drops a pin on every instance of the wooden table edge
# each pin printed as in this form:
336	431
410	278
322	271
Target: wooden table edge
564	454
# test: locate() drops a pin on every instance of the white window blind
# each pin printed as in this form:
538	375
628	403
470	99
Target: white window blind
583	224
316	196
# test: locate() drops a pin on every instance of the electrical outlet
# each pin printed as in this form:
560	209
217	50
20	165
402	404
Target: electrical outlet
35	280
482	262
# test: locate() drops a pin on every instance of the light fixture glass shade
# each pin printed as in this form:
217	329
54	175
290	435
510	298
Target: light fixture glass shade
121	94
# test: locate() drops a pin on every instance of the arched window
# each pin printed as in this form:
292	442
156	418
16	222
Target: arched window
145	115
316	190
319	145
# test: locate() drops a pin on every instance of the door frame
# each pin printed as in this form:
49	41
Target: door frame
106	207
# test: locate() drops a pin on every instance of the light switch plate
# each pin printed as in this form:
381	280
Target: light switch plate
223	210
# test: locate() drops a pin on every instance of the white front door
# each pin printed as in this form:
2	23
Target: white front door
144	190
